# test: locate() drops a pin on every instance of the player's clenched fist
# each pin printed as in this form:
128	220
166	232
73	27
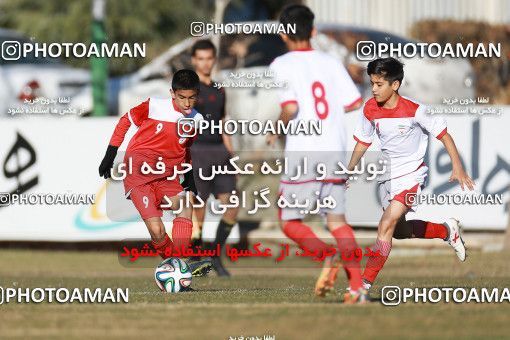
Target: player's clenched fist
107	162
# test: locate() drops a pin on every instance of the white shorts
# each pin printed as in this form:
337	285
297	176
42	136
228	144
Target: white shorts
404	188
313	191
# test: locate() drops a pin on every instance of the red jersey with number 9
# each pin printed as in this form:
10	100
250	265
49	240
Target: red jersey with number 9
159	137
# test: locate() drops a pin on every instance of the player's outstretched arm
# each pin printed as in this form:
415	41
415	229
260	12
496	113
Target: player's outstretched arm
116	140
458	173
357	153
135	116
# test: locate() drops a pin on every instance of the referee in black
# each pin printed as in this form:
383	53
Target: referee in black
212	149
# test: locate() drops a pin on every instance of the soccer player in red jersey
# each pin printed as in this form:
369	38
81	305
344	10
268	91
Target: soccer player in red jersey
157	141
402	126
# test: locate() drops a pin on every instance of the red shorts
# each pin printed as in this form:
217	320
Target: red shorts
148	197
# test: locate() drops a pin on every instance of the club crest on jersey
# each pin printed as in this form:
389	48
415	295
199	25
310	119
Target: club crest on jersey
403	129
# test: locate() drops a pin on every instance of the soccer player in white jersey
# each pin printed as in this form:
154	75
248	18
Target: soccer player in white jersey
318	88
402	126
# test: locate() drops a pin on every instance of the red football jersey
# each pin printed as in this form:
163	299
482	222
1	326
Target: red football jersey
157	139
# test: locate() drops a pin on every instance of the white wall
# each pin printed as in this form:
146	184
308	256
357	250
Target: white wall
68	152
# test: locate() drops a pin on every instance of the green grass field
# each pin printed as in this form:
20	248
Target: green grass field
256	301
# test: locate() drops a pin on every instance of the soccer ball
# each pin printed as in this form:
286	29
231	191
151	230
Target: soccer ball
172	275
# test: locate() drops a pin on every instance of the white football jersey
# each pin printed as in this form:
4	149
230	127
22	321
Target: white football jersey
401	131
321	87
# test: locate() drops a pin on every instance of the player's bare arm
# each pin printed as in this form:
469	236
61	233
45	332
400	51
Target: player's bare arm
287	114
357	154
458	173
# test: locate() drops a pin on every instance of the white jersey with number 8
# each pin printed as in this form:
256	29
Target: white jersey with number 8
321	87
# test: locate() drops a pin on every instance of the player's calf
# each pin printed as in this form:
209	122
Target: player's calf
347	245
164	247
224	228
181	232
160	240
303	236
403	229
382	247
387	227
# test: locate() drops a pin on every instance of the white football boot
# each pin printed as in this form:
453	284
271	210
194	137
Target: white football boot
455	238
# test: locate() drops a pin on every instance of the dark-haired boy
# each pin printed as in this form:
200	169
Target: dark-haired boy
400	124
156	140
212	149
318	89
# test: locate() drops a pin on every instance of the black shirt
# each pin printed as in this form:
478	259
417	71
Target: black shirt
211	104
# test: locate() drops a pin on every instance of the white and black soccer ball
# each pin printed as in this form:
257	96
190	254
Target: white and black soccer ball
173	275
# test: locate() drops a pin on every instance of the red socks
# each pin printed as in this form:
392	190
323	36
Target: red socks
181	232
181	235
421	229
303	236
162	246
346	245
424	229
375	263
306	238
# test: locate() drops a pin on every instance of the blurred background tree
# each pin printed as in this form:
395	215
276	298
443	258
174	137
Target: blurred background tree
159	24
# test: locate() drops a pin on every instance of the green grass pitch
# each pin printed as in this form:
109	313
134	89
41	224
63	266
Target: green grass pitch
260	299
